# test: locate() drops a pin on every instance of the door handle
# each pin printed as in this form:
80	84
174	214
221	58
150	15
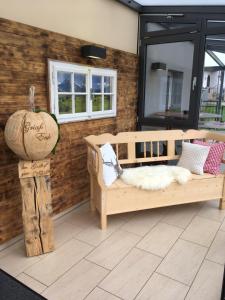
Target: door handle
194	82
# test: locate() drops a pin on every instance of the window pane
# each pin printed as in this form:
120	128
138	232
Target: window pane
107	102
65	104
80	83
80	103
107	84
97	84
97	103
64	81
209	61
166	26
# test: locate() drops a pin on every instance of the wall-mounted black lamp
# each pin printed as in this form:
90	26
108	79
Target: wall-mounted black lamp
92	51
158	66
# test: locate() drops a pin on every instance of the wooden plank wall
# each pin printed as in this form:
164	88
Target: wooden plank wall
24	51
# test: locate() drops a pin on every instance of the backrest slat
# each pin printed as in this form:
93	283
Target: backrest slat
166	138
145	149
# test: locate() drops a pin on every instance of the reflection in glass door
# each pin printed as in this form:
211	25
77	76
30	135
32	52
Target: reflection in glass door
169	81
212	109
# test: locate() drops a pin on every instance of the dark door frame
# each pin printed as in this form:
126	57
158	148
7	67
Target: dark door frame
167	122
197	28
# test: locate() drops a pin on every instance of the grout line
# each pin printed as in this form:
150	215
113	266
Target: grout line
192	218
198	244
221	264
149	230
119	229
61	275
205	258
133	247
110	293
162	257
164	276
146	281
109	270
148	252
124	256
95	246
222	225
100	279
32	279
173	279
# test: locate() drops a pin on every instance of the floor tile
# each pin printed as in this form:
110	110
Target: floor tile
93	235
82	219
160	239
57	263
99	294
217	250
201	231
143	221
160	287
32	283
183	261
77	283
208	282
181	215
85	207
127	279
110	252
14	260
211	210
64	232
223	226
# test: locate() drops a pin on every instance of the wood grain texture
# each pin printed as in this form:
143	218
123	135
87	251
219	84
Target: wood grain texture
36	212
24	51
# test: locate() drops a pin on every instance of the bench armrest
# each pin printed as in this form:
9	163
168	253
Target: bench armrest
95	163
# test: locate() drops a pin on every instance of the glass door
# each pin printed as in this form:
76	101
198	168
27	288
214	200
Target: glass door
212	107
169	71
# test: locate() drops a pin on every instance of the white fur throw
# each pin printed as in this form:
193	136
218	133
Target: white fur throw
155	177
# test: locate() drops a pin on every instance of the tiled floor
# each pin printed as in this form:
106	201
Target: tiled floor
162	254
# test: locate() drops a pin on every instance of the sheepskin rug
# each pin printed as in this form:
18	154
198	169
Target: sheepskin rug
155	177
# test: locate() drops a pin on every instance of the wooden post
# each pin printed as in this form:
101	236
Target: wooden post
36	206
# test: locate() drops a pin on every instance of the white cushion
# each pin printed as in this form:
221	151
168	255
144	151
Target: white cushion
193	157
110	164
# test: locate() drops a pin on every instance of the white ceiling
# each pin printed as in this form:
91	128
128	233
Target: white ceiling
180	2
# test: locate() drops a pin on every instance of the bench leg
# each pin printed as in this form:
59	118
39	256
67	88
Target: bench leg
222	203
92	202
103	221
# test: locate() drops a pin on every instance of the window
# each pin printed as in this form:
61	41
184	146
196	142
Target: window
80	92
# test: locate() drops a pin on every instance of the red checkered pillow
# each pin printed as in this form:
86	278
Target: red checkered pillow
213	161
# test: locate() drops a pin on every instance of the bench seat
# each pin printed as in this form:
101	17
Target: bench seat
120	184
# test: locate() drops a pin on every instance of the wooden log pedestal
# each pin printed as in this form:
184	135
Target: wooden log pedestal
36	206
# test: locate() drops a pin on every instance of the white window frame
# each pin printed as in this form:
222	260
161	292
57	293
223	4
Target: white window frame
55	66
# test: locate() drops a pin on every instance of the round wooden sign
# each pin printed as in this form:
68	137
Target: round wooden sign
32	136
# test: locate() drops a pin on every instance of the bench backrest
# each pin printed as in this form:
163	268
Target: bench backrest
154	145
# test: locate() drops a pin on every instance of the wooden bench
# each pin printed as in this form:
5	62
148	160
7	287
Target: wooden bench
120	197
